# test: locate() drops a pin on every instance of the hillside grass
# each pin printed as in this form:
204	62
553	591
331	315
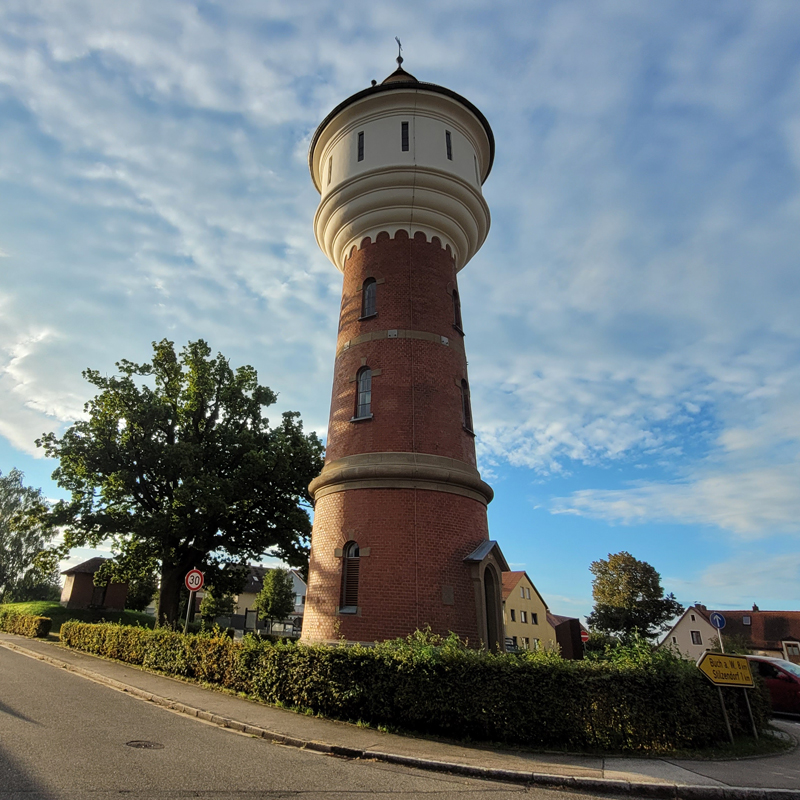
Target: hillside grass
59	614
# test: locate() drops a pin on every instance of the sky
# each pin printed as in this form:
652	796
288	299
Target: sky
632	321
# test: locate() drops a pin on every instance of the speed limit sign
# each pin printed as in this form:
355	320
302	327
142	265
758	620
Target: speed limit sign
194	580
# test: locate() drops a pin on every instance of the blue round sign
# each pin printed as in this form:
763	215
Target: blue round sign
717	620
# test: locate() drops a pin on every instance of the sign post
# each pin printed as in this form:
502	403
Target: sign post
584	638
194	582
718	621
724	670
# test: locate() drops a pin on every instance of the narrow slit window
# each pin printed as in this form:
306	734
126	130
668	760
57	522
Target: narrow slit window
404	136
351	568
369	296
466	408
361	145
330	169
457	311
448	140
364	396
477	174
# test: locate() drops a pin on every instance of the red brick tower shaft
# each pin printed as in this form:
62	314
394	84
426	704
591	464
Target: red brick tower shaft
400	537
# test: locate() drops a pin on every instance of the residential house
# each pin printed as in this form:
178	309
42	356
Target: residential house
80	592
245	615
769	633
525	614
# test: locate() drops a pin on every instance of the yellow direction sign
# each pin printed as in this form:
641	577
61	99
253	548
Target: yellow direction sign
724	670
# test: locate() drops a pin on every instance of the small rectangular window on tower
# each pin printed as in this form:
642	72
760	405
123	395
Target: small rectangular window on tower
330	169
404	136
448	140
361	145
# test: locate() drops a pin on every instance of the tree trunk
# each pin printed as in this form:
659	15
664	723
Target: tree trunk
170	595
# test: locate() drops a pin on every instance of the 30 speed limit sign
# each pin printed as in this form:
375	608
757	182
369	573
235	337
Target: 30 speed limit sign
194	580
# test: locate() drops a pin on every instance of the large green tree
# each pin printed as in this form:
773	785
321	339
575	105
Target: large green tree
24	535
181	469
628	597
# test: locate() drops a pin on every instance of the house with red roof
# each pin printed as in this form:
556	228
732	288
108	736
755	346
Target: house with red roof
769	633
528	623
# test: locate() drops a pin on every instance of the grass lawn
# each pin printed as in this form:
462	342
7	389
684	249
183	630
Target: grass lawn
59	614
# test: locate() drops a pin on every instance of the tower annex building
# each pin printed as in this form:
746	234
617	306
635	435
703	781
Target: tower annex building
400	538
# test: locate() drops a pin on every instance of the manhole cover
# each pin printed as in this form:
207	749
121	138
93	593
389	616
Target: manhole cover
144	745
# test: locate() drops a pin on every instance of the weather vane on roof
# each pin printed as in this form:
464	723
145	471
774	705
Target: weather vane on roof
399	51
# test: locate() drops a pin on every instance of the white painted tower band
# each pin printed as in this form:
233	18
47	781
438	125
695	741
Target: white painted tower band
434	186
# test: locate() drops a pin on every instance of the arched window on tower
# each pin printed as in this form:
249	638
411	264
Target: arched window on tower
457	312
364	393
466	407
348	602
369	297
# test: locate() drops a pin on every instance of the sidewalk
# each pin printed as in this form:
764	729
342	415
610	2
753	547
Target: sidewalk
767	778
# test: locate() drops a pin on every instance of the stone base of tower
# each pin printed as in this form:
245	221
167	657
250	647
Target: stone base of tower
414	567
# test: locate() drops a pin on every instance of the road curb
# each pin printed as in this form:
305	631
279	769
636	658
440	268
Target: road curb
639	789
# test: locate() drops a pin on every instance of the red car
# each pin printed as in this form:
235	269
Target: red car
782	679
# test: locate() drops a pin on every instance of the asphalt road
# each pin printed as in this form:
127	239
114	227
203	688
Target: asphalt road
63	736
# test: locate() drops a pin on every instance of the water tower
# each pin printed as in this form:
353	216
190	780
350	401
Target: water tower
400	538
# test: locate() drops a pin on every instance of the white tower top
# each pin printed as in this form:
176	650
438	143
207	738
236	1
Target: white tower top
402	155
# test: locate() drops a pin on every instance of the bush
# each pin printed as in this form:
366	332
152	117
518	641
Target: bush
638	700
30	625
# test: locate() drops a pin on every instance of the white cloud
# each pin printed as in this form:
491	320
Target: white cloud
751	577
635	304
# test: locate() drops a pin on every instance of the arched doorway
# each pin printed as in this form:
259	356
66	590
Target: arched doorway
491	588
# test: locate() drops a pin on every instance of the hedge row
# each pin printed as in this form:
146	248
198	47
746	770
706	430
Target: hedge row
438	686
25	624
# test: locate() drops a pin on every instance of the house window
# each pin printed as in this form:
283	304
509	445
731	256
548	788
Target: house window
523	616
466	408
745	620
513	615
350	574
534	619
674	640
330	169
535	644
364	393
404	136
368	298
361	145
792	649
457	312
514	639
448	141
692	616
522	592
528	593
526	643
696	638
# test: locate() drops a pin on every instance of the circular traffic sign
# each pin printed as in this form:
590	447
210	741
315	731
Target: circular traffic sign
194	580
717	620
584	636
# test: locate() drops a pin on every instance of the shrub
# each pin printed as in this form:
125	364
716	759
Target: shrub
30	625
637	700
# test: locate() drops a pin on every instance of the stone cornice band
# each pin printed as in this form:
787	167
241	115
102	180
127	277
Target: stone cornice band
412	198
401	471
447	341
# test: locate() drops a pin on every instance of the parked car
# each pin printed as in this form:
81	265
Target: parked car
782	679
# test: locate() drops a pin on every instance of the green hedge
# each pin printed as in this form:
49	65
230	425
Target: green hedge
654	702
34	627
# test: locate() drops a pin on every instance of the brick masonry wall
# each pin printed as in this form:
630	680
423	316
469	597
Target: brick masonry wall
416	397
417	541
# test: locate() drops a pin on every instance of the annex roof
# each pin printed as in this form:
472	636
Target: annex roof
89	567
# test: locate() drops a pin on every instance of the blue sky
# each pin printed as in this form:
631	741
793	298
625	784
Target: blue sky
632	321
